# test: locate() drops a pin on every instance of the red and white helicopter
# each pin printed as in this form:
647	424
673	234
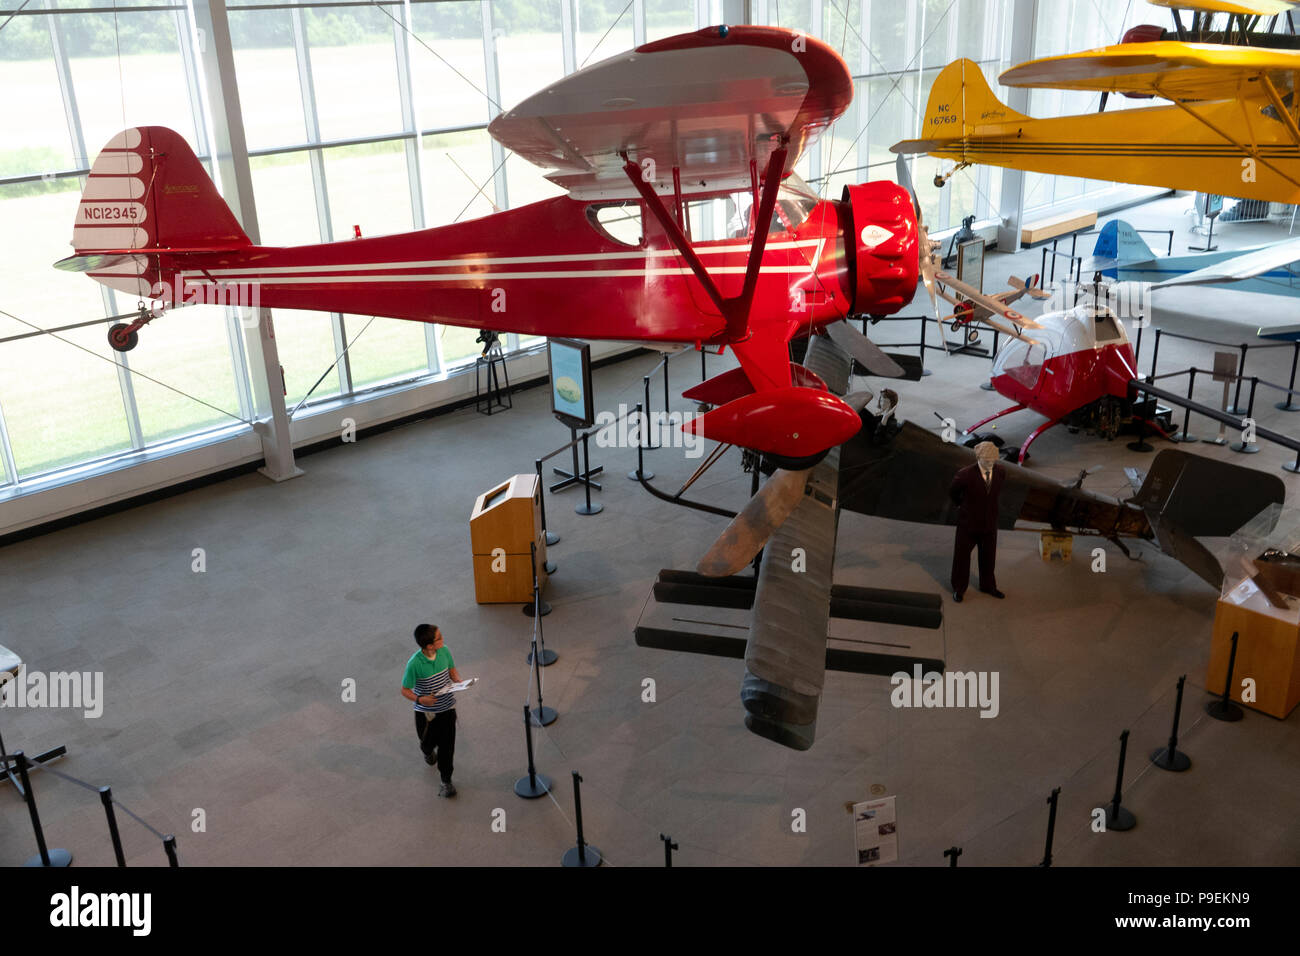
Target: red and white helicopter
1076	369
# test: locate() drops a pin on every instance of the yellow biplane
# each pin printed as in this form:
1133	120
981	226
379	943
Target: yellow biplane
1233	127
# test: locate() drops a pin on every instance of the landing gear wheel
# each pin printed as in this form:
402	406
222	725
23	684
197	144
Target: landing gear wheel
122	339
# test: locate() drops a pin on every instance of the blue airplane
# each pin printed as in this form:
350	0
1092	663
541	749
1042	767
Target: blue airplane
1274	269
1122	254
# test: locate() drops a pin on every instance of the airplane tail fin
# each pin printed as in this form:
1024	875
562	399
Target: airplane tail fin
147	199
961	102
1187	496
1121	242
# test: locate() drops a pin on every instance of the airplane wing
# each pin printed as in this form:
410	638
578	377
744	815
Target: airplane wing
1166	68
706	105
1249	8
1247	266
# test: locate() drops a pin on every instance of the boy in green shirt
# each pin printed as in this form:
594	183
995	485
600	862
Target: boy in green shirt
428	672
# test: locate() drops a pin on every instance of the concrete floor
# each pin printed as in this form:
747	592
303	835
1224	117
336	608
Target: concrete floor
224	688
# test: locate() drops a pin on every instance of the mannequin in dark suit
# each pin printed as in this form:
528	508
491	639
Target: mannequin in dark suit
975	490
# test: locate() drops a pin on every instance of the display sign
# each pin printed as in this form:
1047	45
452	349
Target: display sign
970	263
570	367
1213	204
875	831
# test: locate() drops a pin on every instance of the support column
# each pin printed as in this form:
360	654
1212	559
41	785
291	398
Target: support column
1011	203
492	74
230	161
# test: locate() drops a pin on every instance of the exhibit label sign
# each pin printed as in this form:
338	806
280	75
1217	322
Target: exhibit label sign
570	367
875	831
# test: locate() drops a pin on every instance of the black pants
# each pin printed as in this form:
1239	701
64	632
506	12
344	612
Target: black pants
441	733
988	545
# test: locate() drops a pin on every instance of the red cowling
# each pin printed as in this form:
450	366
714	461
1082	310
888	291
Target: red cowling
793	422
884	240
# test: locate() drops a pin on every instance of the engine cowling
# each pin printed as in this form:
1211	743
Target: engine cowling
883	264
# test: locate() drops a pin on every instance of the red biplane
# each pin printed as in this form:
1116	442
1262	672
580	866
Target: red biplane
721	115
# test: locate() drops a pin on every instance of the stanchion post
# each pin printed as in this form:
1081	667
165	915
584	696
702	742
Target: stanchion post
581	855
643	428
1241	371
536	607
952	853
1051	826
669	846
544	715
649	443
1155	358
1170	758
1247	447
1287	405
532	784
169	846
106	798
1187	411
45	856
547	658
665	383
1117	817
587	508
551	537
1224	708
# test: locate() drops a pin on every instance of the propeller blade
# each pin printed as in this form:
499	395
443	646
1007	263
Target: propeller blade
904	177
750	529
864	350
859	400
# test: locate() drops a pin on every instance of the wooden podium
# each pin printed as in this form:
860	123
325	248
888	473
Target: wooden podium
505	520
1268	651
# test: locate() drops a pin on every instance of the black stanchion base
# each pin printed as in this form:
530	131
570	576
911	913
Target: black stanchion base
550	567
1244	448
532	788
594	508
1139	446
1180	437
1176	762
529	610
590	857
57	858
548	657
552	538
545	716
632	475
1225	710
1119	820
1237	410
1292	467
1286	406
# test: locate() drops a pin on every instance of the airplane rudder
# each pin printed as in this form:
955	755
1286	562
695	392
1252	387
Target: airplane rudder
1130	244
147	188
